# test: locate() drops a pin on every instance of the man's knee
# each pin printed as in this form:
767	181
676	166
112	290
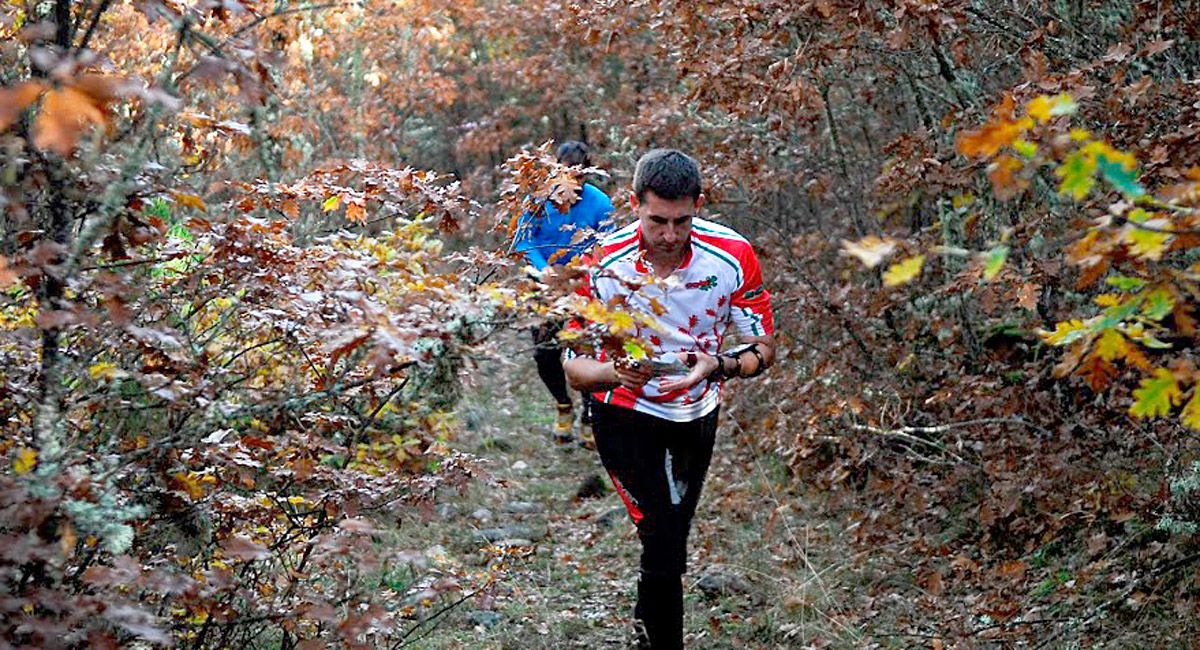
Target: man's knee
664	548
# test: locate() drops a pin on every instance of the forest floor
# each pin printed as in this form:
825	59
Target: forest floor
762	572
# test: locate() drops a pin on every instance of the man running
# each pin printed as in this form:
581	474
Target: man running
655	433
550	240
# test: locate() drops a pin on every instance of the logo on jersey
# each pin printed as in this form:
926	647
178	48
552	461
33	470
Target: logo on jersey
707	284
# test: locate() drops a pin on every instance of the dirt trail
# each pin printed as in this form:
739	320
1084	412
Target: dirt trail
569	563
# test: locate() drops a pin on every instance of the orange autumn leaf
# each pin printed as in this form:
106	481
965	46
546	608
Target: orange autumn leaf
66	113
356	212
190	200
14	100
990	138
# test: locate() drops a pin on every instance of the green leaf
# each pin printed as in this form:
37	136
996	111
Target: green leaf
179	231
1120	177
1025	148
1117	314
994	262
635	351
1156	395
1077	173
1149	341
158	208
1158	304
1125	283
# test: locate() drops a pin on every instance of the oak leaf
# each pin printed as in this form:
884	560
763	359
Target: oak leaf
1190	416
989	139
1066	332
1156	395
1097	372
1111	345
904	271
16	99
67	111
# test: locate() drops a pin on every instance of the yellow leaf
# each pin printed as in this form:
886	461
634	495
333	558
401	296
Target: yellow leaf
1066	332
1107	300
566	336
102	370
1111	345
1191	411
1146	244
1044	107
620	322
331	203
903	272
1039	108
25	461
870	250
193	483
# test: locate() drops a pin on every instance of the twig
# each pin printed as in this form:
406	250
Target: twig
942	428
87	36
403	643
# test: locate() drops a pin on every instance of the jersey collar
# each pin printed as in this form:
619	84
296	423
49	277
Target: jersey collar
641	266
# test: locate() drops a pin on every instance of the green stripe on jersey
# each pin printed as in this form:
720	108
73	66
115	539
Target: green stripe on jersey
724	257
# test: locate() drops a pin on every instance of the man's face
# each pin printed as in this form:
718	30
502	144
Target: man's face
666	225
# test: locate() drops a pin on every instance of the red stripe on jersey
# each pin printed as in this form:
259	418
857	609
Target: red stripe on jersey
607	249
752	280
619	396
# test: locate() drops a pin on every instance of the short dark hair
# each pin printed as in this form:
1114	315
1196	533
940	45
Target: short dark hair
574	152
669	173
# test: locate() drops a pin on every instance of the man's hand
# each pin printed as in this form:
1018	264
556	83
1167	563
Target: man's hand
705	364
632	374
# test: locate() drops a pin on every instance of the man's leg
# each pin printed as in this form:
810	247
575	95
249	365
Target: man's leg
548	356
658	469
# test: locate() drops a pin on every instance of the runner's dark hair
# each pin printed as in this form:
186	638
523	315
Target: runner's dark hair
574	152
669	173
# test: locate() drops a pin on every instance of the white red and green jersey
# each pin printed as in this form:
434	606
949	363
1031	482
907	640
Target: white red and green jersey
718	283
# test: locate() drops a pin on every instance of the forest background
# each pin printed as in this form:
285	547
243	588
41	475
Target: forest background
249	248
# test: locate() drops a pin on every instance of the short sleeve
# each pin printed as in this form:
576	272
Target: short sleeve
750	304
